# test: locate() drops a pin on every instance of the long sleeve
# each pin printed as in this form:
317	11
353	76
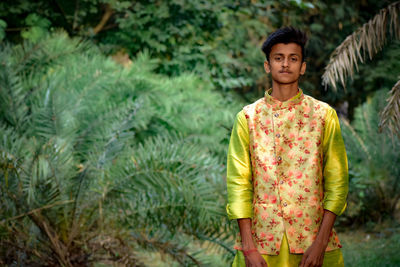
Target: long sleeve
336	177
239	175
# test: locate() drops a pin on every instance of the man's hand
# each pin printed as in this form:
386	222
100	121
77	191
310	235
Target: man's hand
254	259
314	255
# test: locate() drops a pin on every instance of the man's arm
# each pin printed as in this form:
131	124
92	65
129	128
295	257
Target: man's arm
335	173
253	258
245	233
335	169
239	176
240	188
314	256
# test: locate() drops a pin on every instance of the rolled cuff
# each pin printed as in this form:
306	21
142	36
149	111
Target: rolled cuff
334	207
239	210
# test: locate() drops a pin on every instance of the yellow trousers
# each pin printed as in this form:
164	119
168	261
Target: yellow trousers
332	258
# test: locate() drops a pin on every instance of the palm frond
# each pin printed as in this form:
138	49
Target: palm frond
104	141
390	116
374	174
366	40
13	109
37	57
171	184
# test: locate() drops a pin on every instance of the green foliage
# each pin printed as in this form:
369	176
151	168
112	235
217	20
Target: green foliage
3	26
373	164
191	36
378	73
217	40
37	27
371	249
97	160
75	17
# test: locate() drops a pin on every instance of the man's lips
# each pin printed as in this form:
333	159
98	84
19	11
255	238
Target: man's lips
285	72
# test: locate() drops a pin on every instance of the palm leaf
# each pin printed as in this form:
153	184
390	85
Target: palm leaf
390	116
366	40
13	109
170	185
103	140
374	179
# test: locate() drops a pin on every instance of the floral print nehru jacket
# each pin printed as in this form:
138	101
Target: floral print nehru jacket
286	164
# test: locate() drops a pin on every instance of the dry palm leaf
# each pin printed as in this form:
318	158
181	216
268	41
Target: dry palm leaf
390	116
368	39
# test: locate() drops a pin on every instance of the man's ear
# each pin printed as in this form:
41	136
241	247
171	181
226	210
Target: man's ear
267	67
303	68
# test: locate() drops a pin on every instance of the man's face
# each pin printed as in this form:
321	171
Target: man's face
285	64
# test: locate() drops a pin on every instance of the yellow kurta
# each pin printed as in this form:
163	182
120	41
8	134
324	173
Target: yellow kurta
332	258
243	194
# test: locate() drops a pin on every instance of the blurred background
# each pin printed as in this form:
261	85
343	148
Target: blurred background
115	119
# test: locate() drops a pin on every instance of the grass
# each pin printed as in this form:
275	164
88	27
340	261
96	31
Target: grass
373	249
361	248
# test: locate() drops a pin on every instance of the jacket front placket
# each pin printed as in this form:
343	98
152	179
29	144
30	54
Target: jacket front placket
277	120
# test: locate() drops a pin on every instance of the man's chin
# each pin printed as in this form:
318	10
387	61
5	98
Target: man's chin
285	82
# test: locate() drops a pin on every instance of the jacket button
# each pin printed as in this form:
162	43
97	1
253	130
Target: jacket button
281	181
276	115
279	158
278	135
284	204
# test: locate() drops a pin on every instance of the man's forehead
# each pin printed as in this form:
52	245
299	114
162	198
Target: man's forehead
282	48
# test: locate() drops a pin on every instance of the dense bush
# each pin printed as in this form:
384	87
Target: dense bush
373	164
97	160
218	40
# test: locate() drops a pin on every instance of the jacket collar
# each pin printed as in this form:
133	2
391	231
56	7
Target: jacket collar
275	104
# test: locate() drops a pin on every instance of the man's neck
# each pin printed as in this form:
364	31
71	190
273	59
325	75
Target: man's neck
284	92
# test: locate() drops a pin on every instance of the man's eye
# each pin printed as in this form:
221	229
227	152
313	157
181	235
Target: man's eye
278	58
293	59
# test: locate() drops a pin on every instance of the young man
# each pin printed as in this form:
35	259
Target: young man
287	175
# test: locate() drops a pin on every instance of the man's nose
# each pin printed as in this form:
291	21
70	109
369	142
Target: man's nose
285	62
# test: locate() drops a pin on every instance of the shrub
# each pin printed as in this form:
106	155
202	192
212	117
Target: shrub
97	160
373	164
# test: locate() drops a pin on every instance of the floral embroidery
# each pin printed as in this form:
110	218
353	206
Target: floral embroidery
287	157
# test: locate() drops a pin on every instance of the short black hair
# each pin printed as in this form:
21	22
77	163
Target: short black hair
285	35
